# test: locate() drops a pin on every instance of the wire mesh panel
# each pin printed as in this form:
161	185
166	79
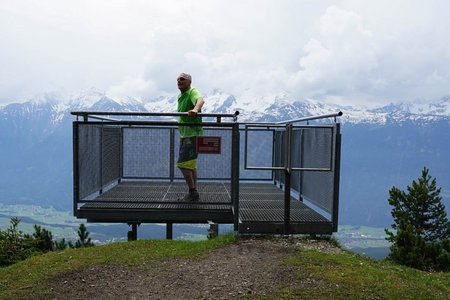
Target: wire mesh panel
146	152
89	159
296	158
111	149
211	166
278	154
317	152
312	147
317	147
259	153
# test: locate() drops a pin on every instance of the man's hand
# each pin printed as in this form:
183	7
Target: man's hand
192	113
198	105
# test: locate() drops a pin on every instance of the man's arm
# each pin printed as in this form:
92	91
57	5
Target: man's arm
198	106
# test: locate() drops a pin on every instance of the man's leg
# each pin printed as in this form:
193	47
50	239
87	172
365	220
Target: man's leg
189	177
191	180
194	176
187	163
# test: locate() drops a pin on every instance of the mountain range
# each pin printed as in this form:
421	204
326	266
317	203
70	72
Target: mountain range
382	147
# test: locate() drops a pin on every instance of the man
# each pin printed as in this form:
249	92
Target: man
190	101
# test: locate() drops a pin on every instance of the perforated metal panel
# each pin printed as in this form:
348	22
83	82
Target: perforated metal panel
259	153
318	187
146	152
211	166
311	147
89	159
317	147
111	151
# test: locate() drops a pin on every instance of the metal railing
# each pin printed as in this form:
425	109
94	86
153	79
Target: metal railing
304	159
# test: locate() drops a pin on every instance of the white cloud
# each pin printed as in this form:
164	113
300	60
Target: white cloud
340	61
352	51
135	87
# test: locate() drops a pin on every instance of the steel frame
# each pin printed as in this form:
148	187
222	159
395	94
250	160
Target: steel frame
217	215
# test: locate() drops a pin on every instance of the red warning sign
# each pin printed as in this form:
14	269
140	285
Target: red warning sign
208	144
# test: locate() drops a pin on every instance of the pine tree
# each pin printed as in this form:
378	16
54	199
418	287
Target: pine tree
83	238
421	228
43	239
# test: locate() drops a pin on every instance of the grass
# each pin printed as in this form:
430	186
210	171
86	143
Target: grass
27	278
351	276
321	275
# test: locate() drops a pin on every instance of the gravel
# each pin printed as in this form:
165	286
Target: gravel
250	267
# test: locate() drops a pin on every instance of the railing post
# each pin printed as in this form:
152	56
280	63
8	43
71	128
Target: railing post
121	155
101	160
132	234
169	231
302	146
235	138
76	170
172	155
336	171
287	181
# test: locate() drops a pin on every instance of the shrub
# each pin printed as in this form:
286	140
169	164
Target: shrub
16	245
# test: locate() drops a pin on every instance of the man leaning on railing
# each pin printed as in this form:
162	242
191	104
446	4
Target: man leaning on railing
190	101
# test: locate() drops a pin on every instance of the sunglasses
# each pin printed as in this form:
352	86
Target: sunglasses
181	79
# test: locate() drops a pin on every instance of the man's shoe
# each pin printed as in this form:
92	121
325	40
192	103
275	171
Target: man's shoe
195	196
186	198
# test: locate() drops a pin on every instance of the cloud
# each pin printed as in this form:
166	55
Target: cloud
341	61
135	87
354	52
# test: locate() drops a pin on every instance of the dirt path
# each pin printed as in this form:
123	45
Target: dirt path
249	267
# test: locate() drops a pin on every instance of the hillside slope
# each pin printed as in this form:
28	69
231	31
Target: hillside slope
223	268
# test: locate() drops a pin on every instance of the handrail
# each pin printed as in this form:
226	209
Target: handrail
338	114
148	114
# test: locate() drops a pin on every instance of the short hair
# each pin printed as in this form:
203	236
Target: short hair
185	76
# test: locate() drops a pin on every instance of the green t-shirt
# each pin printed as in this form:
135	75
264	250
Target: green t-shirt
186	102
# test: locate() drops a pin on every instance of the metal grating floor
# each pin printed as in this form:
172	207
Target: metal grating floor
261	210
157	202
261	207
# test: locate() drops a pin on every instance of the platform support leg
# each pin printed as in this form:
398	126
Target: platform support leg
169	231
213	230
287	203
132	234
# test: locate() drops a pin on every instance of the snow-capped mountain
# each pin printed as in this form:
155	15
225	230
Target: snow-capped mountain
381	147
276	107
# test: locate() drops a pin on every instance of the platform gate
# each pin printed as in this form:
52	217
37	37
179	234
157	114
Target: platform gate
306	166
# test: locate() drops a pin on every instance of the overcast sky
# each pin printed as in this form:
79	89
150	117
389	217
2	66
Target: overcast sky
346	52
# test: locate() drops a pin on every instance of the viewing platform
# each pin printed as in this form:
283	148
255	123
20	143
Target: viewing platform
264	178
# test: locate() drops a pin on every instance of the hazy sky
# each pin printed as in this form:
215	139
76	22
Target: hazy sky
346	52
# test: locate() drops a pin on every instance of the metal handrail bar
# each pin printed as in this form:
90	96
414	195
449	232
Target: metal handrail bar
162	123
282	123
148	114
103	119
276	125
334	115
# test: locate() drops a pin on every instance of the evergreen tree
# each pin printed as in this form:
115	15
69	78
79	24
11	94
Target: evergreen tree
421	230
43	239
11	244
83	238
60	245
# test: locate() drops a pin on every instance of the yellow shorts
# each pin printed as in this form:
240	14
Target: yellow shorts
190	164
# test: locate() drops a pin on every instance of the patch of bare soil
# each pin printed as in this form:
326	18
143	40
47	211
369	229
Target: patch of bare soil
250	267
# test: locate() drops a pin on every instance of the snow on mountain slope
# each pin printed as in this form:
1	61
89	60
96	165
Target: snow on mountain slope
275	107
